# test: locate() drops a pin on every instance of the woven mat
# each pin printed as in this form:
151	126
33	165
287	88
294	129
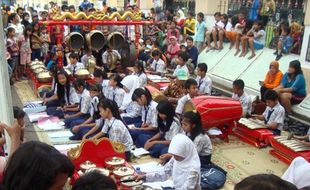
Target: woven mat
25	91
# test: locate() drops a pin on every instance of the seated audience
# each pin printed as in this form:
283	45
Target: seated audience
140	72
284	44
231	34
108	57
189	25
192	50
101	78
115	90
292	89
296	36
203	81
243	97
216	32
239	28
158	66
181	61
74	65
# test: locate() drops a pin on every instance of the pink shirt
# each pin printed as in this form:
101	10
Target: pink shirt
173	50
169	33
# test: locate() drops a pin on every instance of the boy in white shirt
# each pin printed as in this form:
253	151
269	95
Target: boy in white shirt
203	81
274	114
105	57
74	65
158	66
217	31
192	90
244	98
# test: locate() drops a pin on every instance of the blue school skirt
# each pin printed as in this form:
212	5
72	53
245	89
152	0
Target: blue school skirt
136	133
52	111
73	121
156	150
133	121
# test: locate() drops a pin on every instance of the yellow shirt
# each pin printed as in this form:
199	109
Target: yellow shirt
190	24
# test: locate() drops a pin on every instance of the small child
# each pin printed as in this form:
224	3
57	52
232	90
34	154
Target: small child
203	81
284	44
200	31
191	87
158	65
45	37
255	37
240	26
13	49
81	112
25	49
74	65
189	25
274	114
243	97
140	72
115	90
52	61
217	31
101	78
19	115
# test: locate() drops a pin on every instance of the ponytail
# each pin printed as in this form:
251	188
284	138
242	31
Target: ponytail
195	119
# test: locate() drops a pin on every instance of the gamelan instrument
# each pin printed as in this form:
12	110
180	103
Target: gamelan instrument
74	40
95	40
253	132
287	150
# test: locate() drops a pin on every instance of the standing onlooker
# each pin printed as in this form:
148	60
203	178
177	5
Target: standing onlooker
36	41
200	30
25	49
13	21
25	19
267	10
45	37
12	48
20	12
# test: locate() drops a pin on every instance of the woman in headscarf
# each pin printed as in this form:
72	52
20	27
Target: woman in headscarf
184	167
130	110
272	78
292	89
180	18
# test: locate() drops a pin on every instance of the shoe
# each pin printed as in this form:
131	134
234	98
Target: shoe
74	138
278	57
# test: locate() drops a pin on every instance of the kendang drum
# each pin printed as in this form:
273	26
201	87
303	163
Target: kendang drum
75	41
95	40
129	54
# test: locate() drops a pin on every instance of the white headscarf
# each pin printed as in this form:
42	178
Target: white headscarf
182	15
298	173
182	146
131	82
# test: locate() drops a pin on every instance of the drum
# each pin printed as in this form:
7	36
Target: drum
95	40
116	40
128	54
75	40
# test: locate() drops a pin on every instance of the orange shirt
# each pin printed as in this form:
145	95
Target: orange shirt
273	81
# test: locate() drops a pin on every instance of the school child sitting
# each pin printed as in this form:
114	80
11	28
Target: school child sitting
255	38
203	81
81	129
176	89
239	28
191	87
108	55
192	127
284	44
80	113
64	97
192	50
149	114
243	97
113	126
52	61
130	110
217	31
140	72
158	66
115	90
74	65
168	126
181	61
101	78
184	167
87	57
274	114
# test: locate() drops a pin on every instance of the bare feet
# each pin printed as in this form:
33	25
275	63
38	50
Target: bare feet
252	56
237	52
231	46
242	54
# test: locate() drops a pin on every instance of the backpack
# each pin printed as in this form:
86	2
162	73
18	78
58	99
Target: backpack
212	177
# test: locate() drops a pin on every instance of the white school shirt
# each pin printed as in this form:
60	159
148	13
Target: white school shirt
229	27
106	53
105	87
277	115
133	110
179	67
74	68
142	78
94	106
203	145
219	24
174	129
117	132
181	103
116	94
149	114
204	85
245	101
158	66
85	102
85	59
73	97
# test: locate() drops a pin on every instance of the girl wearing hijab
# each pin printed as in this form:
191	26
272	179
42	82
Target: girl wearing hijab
272	78
292	89
180	18
184	167
130	110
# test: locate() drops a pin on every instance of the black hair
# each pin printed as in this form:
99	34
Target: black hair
234	20
94	181
54	70
264	181
239	84
271	95
183	56
201	15
9	30
259	23
61	88
166	108
225	16
190	82
18	113
287	29
182	46
74	56
118	79
156	53
100	73
195	119
27	28
18	9
139	92
189	38
217	14
97	88
64	7
203	67
33	24
11	17
140	66
79	83
106	103
190	13
35	165
296	65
